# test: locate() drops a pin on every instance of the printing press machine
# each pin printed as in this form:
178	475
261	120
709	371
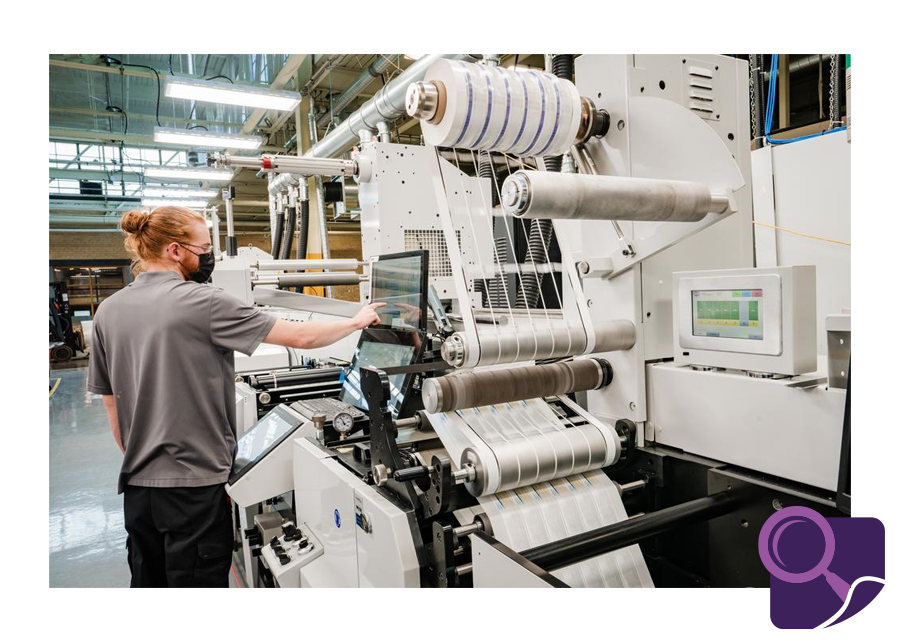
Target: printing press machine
636	434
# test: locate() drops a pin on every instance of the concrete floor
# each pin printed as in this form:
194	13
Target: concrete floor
87	528
87	532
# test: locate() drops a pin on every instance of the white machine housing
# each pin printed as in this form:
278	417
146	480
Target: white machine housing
674	117
400	212
787	319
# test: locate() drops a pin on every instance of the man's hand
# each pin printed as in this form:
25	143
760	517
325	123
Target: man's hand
367	316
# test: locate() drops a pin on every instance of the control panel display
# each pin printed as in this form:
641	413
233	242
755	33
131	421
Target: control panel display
731	314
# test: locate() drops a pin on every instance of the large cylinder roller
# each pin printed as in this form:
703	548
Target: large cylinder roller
510	345
471	389
531	194
311	279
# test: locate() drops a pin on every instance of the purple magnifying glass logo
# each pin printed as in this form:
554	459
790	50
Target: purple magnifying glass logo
775	527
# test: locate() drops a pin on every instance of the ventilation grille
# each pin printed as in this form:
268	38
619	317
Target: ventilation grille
701	90
439	265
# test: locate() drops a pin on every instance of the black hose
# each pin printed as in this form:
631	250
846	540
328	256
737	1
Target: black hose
553	163
276	235
288	233
540	235
563	66
486	171
303	236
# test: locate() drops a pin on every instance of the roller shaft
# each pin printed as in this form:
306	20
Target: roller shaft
531	194
472	389
309	264
311	279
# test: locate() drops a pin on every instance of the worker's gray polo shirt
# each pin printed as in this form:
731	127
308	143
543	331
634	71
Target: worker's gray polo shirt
165	348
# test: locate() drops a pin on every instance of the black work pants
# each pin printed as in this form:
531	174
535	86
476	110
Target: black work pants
178	537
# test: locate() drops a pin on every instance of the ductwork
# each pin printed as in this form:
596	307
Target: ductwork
282	182
387	105
372	72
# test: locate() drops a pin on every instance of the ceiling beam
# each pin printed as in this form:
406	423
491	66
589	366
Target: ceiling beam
130	71
135	116
136	177
285	75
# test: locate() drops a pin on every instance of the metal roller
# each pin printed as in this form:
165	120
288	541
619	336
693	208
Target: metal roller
308	264
510	345
473	389
531	194
311	279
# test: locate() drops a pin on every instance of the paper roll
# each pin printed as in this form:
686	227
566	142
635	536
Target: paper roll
526	113
471	388
522	443
548	512
532	194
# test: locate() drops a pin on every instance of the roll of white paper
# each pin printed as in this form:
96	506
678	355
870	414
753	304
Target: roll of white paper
526	113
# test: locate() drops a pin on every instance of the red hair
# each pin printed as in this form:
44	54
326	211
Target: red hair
148	233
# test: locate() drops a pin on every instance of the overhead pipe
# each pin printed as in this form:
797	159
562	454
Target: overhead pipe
387	105
362	81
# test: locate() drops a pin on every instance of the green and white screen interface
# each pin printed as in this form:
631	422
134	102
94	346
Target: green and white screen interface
731	314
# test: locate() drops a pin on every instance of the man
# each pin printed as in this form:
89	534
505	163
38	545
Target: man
163	359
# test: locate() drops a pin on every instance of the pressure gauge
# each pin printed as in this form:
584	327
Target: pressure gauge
343	422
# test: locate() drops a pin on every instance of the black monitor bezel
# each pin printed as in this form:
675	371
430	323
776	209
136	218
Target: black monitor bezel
374	334
283	413
423	313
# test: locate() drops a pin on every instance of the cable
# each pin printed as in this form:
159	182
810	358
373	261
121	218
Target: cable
118	110
770	110
221	76
109	60
809	236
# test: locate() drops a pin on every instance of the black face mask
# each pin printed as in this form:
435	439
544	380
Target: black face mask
207	264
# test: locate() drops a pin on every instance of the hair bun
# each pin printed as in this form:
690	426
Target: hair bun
135	221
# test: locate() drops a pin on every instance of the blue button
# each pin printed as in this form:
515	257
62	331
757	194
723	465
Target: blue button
337	518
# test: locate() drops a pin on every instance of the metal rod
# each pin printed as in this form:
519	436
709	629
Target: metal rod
282	164
409	422
630	486
230	240
308	264
464	569
311	279
214	230
578	548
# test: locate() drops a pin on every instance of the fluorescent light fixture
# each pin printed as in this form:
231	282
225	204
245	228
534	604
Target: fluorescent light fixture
196	174
162	202
196	138
208	91
176	192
